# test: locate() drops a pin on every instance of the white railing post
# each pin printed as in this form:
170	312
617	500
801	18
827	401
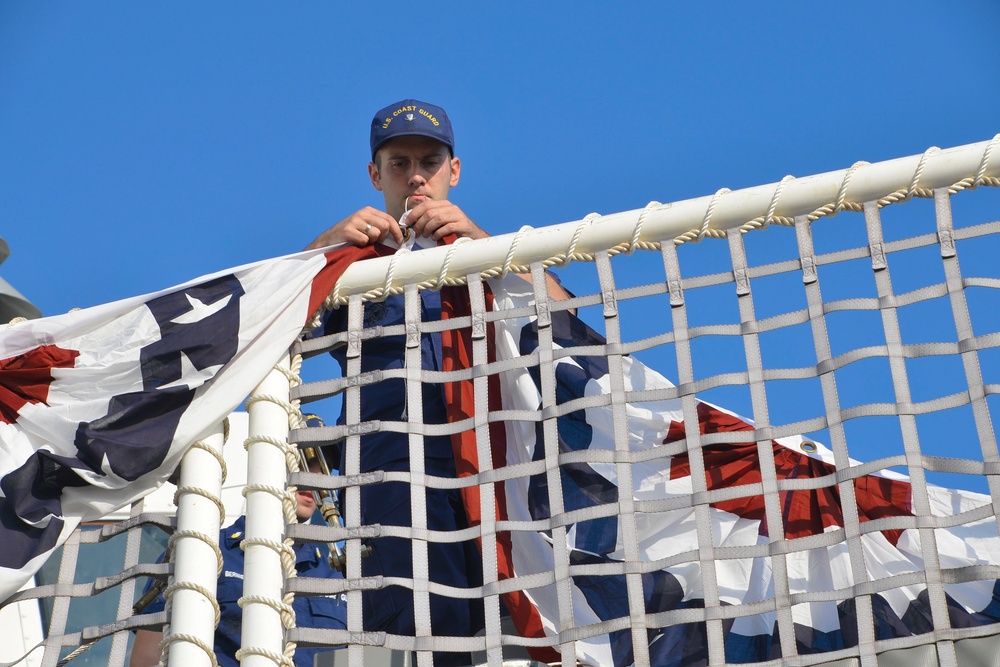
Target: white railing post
194	610
263	639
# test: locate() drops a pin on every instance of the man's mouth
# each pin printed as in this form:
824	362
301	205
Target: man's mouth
415	198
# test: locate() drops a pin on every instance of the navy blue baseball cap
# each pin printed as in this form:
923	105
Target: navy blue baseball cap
411	118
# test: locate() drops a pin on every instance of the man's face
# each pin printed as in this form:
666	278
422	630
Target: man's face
410	170
305	505
305	501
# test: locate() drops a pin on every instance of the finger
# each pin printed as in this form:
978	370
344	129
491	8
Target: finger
375	225
384	217
395	231
384	224
428	216
439	224
446	229
382	229
413	214
354	236
370	232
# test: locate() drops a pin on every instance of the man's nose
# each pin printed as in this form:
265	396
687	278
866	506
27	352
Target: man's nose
417	179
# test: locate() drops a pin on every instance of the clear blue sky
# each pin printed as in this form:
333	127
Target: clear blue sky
145	144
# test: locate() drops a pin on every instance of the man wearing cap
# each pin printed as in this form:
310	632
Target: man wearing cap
414	166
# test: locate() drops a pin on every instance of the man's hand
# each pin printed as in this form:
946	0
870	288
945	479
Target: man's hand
436	218
364	227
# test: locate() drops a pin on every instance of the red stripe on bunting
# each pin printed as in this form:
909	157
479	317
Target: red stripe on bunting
26	378
804	512
337	262
460	400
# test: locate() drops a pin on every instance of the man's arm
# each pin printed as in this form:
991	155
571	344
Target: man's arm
145	649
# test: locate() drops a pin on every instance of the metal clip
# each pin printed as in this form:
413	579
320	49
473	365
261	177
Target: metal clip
403	227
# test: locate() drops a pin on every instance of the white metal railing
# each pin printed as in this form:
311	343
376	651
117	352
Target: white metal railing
268	558
265	601
814	196
189	637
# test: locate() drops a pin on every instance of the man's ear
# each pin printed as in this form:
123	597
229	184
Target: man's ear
456	169
375	176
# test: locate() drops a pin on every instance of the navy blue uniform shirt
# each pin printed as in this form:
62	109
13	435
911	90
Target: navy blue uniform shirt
311	612
385	401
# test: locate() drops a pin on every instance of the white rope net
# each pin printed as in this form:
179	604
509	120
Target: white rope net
772	446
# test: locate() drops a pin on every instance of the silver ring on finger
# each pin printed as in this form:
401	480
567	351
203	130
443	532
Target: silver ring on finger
367	229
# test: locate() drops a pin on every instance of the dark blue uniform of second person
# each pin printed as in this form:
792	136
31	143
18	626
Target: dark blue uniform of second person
310	612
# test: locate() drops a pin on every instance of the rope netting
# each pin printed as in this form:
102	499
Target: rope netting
761	448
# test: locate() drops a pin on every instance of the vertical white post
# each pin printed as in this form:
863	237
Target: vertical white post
196	560
263	633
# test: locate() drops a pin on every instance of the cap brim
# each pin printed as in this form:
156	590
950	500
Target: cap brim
415	133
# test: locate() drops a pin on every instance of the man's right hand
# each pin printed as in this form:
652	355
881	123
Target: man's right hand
364	227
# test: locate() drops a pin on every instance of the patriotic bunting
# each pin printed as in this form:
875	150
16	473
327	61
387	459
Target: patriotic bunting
98	406
741	522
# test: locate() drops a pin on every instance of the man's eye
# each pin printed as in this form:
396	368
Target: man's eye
398	164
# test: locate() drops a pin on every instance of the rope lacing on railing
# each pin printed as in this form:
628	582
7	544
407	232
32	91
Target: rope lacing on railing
278	659
704	230
508	261
446	264
761	222
570	254
206	539
284	549
205	493
634	242
404	249
981	172
190	639
192	586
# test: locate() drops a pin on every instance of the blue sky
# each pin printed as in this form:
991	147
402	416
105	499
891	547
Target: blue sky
144	144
